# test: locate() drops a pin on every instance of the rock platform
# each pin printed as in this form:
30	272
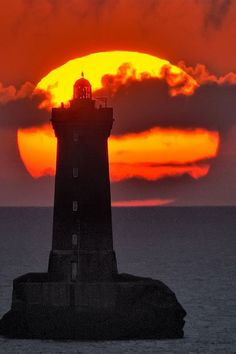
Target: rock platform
129	307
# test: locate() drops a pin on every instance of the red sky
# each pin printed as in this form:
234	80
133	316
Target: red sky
38	36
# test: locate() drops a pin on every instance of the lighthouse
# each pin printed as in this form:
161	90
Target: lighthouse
82	296
82	245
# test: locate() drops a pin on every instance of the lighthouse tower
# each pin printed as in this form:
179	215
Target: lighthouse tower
82	296
82	246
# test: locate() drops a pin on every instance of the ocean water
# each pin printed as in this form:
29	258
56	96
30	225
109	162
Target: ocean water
192	250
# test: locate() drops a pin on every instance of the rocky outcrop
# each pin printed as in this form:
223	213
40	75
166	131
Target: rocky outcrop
129	307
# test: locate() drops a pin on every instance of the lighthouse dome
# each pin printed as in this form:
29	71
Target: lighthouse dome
82	89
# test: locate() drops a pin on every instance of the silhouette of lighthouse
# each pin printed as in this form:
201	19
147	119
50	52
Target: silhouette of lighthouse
82	246
82	296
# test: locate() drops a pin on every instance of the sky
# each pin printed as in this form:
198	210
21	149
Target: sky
38	36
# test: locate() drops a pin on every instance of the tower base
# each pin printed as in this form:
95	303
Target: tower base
129	307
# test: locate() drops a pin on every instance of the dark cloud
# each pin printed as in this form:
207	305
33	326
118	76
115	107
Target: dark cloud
217	188
141	189
10	93
11	166
17	187
216	11
22	111
139	106
27	192
202	75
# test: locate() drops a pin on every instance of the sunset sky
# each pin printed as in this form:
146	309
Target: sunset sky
168	69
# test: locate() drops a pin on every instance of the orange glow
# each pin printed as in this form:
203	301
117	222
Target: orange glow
141	203
151	155
165	145
151	172
124	65
37	147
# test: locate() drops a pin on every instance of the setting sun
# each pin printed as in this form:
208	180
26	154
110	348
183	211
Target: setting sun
152	154
149	155
124	65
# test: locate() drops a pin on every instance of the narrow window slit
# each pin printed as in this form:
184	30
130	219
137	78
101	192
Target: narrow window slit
75	172
75	205
74	240
73	271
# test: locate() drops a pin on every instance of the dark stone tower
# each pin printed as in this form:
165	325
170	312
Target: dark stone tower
82	246
82	296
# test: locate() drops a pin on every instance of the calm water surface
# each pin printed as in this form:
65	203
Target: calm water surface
193	250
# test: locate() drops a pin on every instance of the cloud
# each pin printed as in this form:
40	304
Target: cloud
179	82
217	188
19	108
168	188
10	93
202	75
216	11
27	192
139	106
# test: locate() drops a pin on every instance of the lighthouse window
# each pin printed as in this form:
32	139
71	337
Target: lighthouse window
75	137
74	240
73	271
75	172
75	205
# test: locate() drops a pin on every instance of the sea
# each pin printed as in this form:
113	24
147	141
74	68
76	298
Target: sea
191	249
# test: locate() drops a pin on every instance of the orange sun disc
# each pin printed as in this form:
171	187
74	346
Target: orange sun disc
59	82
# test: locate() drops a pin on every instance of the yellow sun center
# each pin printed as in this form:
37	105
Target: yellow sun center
59	82
150	155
